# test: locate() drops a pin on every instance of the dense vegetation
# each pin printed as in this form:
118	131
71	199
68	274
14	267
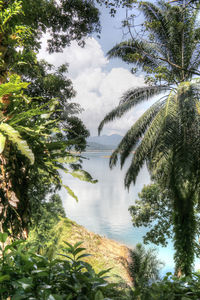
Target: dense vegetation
39	126
41	119
168	51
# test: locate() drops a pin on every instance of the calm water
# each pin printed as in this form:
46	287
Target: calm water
103	207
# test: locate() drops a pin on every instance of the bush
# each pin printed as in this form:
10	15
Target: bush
26	275
173	288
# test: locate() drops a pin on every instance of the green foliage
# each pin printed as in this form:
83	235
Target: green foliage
165	46
173	288
15	137
43	221
25	275
30	138
153	210
165	137
144	268
46	83
38	129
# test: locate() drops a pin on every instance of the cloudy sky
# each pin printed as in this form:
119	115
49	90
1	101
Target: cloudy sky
99	83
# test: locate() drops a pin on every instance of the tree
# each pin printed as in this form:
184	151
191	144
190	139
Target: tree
20	39
43	221
64	21
153	210
144	269
47	82
170	128
33	146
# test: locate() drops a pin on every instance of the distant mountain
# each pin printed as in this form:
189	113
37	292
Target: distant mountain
109	140
96	146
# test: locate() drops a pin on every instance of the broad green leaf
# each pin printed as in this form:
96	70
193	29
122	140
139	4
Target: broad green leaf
101	273
76	245
78	250
4	278
2	142
15	137
3	237
83	175
99	296
83	255
71	192
8	88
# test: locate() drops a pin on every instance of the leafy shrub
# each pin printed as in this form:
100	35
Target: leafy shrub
26	275
173	288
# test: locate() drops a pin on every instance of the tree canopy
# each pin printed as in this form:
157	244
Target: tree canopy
39	126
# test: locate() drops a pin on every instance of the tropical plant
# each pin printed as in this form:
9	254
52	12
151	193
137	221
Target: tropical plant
34	143
166	136
171	287
144	268
64	21
154	210
42	237
26	275
22	123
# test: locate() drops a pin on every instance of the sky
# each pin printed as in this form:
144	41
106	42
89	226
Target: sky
99	82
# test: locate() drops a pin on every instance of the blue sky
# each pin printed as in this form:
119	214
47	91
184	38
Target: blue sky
99	82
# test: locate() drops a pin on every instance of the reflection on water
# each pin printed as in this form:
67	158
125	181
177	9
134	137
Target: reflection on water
103	207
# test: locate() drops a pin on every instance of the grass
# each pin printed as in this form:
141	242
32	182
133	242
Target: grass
105	253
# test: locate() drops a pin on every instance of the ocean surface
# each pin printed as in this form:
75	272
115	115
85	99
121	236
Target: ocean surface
103	207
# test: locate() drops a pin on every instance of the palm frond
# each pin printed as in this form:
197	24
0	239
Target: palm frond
134	51
131	99
143	151
154	13
133	135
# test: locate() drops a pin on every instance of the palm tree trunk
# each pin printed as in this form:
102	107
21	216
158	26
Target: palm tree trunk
184	235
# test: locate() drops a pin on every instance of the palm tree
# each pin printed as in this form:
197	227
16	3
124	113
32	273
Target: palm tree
144	267
170	129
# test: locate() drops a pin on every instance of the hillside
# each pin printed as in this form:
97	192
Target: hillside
104	142
106	253
96	146
113	139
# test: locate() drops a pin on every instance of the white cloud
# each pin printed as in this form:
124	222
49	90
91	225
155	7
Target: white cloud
80	59
99	92
98	89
